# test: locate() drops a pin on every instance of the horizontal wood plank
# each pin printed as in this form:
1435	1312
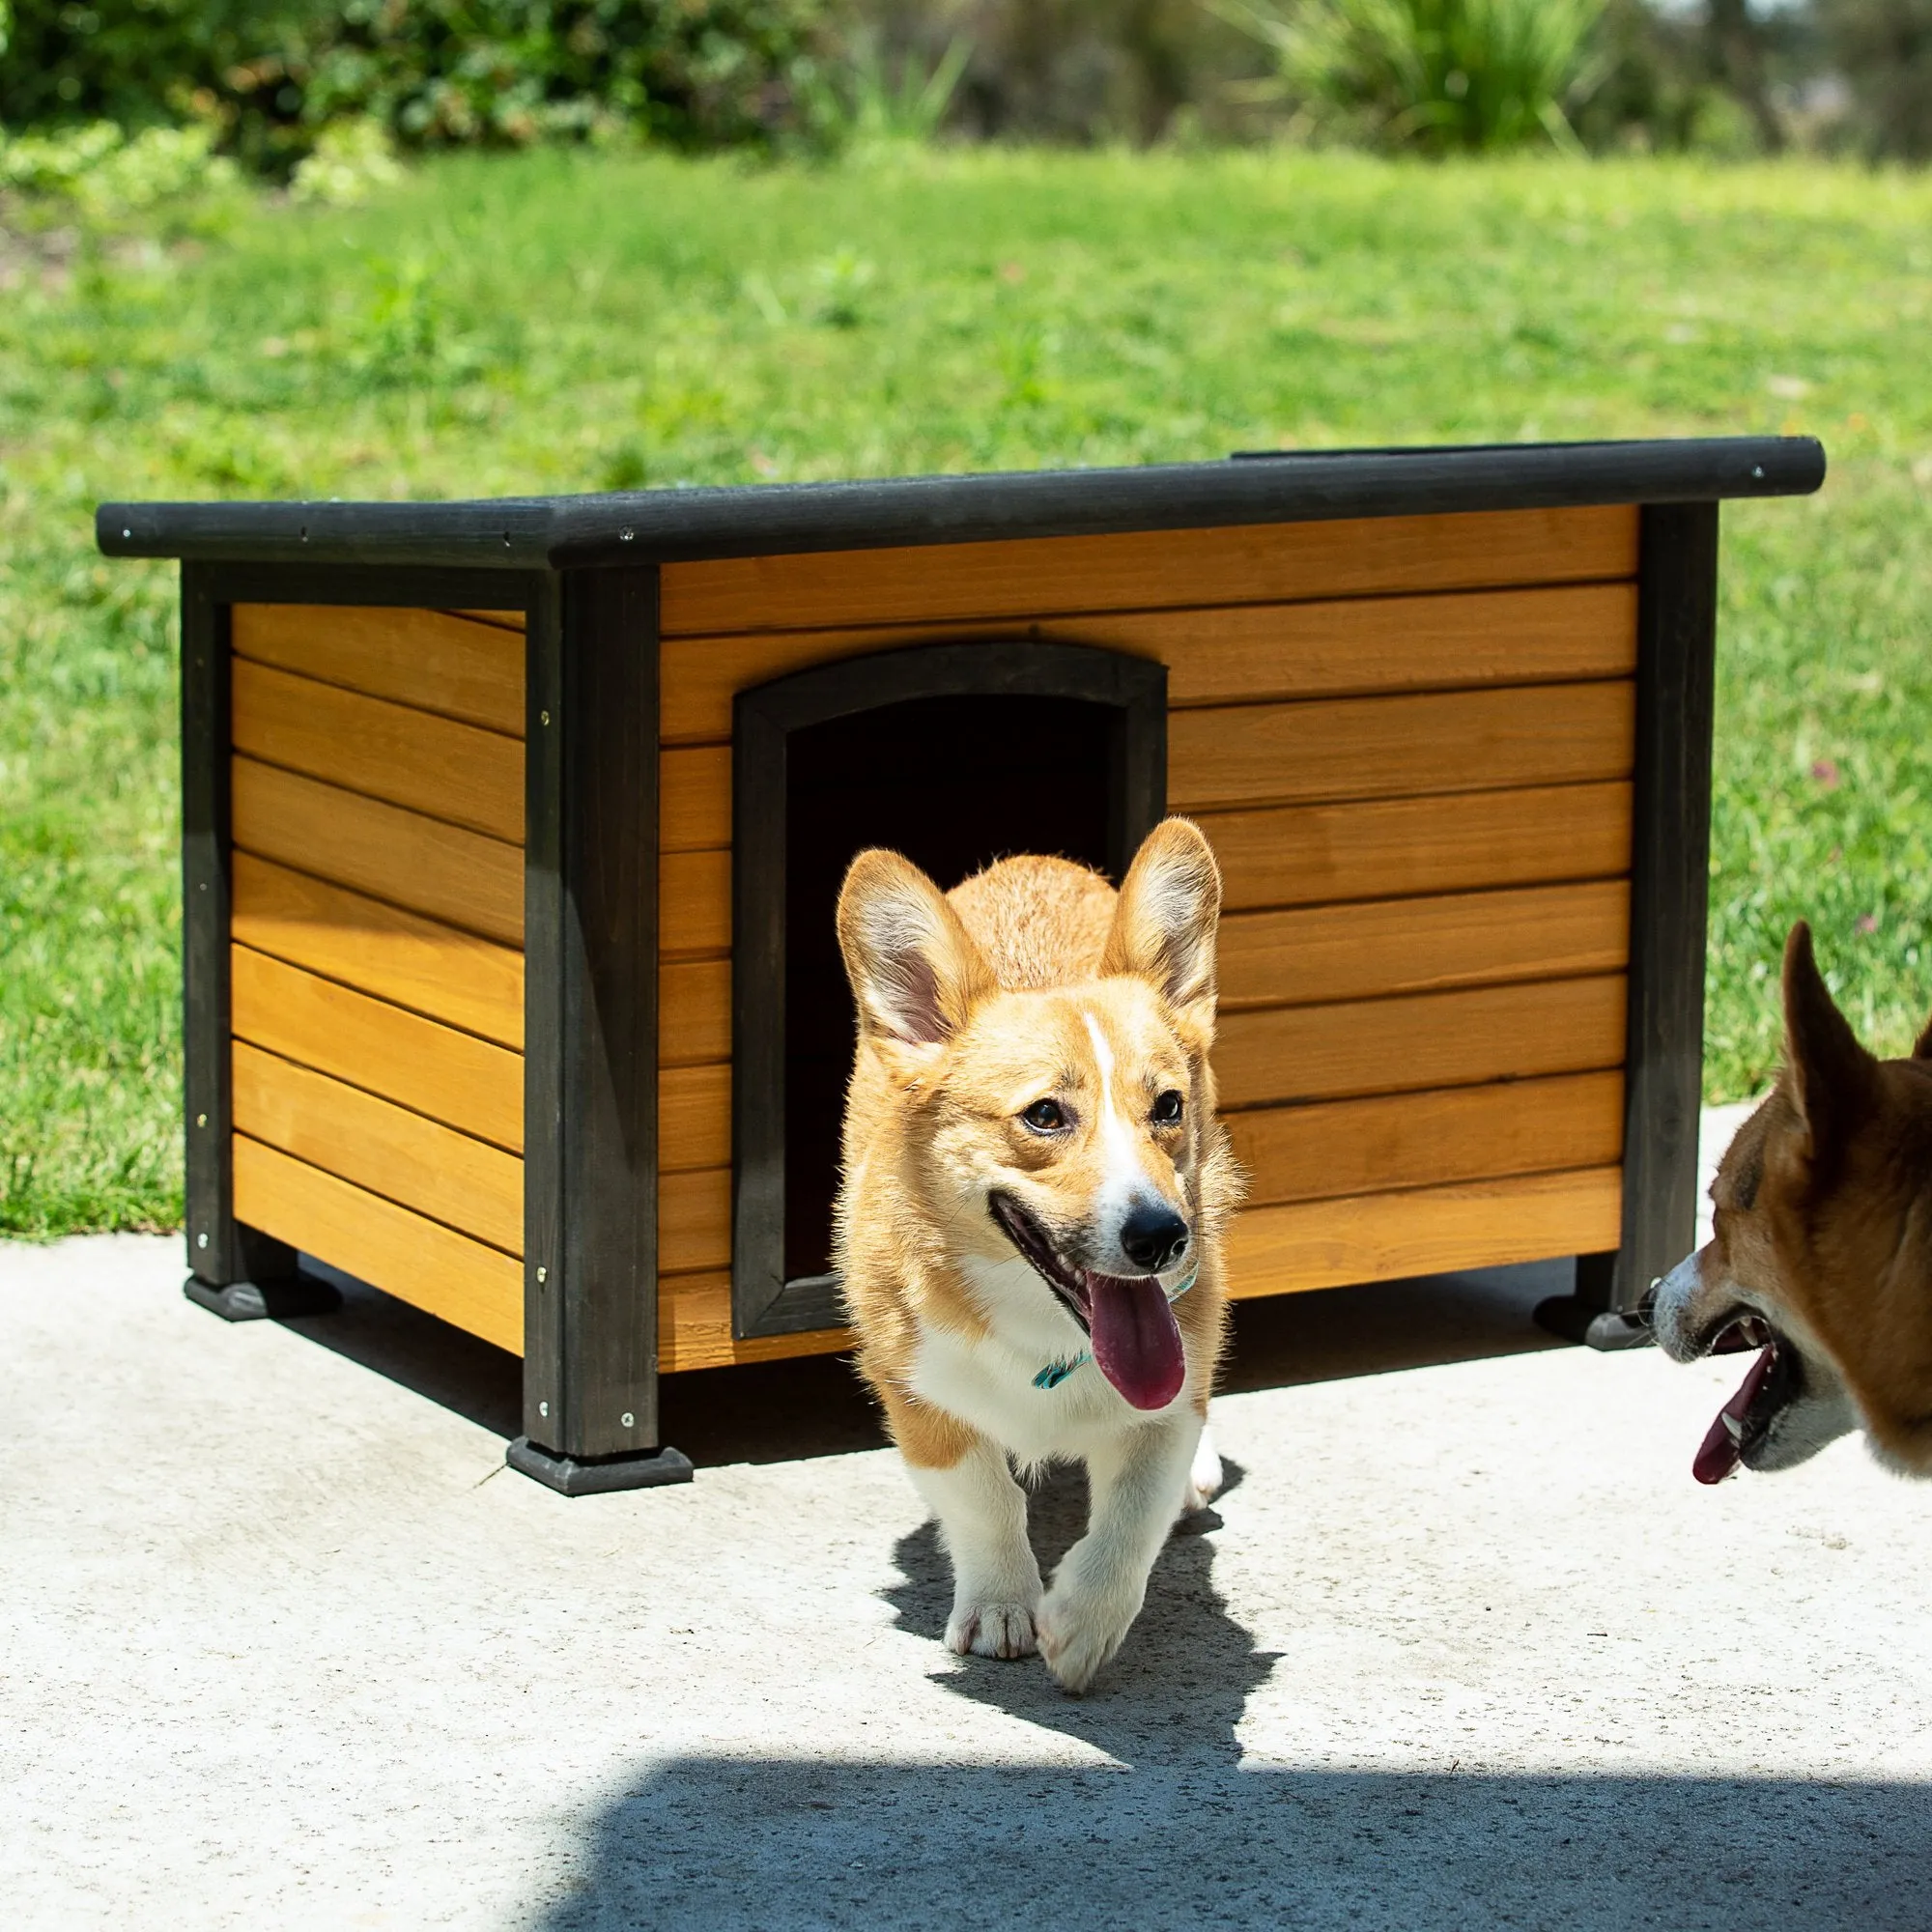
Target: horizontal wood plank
694	1329
694	902
1316	1244
1414	1140
1458	741
1224	654
417	1163
1143	570
694	1117
434	765
431	969
695	799
1324	750
424	865
1408	848
418	1260
510	620
1429	1039
435	660
694	1220
1418	946
467	1083
693	1012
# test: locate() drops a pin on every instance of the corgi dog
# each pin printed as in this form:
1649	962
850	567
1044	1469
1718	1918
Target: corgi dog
1821	1256
1030	1224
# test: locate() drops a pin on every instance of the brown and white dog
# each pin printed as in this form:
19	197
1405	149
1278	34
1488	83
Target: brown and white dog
1030	1224
1821	1258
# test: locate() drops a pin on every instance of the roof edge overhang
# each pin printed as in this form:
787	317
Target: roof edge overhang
687	526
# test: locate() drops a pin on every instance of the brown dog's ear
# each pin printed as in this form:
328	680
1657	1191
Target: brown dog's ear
1922	1048
1832	1076
915	972
1170	905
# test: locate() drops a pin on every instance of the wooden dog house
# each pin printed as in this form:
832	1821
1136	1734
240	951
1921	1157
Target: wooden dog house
512	830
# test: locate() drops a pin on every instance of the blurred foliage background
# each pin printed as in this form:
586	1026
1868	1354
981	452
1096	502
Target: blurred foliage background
268	79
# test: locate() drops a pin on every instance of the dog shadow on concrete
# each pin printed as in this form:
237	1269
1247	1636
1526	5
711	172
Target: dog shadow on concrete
1176	1692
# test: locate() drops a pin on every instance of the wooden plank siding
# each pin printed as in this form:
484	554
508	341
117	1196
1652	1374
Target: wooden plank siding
1422	806
430	967
424	865
396	752
464	1281
1324	750
1223	654
1257	563
376	970
1378	947
1410	741
433	660
465	1081
406	1158
1389	1236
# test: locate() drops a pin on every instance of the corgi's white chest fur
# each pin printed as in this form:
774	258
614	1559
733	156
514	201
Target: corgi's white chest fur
990	1383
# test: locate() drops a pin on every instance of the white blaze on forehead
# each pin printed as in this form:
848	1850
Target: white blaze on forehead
1117	1139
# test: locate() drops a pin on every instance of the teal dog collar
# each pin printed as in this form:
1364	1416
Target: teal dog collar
1055	1373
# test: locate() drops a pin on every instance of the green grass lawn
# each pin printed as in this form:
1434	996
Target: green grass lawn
561	321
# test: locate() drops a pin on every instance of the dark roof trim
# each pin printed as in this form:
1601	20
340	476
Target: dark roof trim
676	525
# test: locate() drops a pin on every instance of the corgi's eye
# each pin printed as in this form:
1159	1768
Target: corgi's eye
1045	1117
1167	1108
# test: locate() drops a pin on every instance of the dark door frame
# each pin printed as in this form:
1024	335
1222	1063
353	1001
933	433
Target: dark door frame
1134	689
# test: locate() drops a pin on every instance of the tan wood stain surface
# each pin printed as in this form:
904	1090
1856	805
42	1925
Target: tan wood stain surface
1410	740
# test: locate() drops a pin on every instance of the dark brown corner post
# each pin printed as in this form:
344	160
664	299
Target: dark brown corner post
591	914
235	1271
1670	851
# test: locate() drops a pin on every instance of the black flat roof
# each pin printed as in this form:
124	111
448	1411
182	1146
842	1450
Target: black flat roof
681	525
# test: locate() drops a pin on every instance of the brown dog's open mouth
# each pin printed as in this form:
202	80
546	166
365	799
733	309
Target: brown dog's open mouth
1745	1421
1136	1342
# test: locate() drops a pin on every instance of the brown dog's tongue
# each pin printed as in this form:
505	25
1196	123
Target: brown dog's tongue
1136	1344
1718	1454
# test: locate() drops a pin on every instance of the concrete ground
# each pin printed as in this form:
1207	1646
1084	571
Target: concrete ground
1464	1645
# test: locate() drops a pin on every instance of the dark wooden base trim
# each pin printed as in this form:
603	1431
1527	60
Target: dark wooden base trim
264	1300
571	1476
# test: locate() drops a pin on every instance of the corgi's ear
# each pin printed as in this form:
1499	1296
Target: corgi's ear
915	973
1165	921
1831	1078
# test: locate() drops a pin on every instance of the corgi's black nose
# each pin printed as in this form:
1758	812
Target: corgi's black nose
1153	1237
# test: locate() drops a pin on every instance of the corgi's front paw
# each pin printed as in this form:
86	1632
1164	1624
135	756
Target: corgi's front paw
1080	1629
1204	1475
991	1629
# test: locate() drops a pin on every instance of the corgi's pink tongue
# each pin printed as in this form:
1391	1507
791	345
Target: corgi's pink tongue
1136	1344
1717	1456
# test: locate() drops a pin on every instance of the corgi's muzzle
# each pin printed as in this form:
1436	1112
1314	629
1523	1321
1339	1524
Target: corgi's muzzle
1689	1332
1128	1319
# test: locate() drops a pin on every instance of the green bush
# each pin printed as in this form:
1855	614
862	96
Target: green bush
1438	75
432	73
105	171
